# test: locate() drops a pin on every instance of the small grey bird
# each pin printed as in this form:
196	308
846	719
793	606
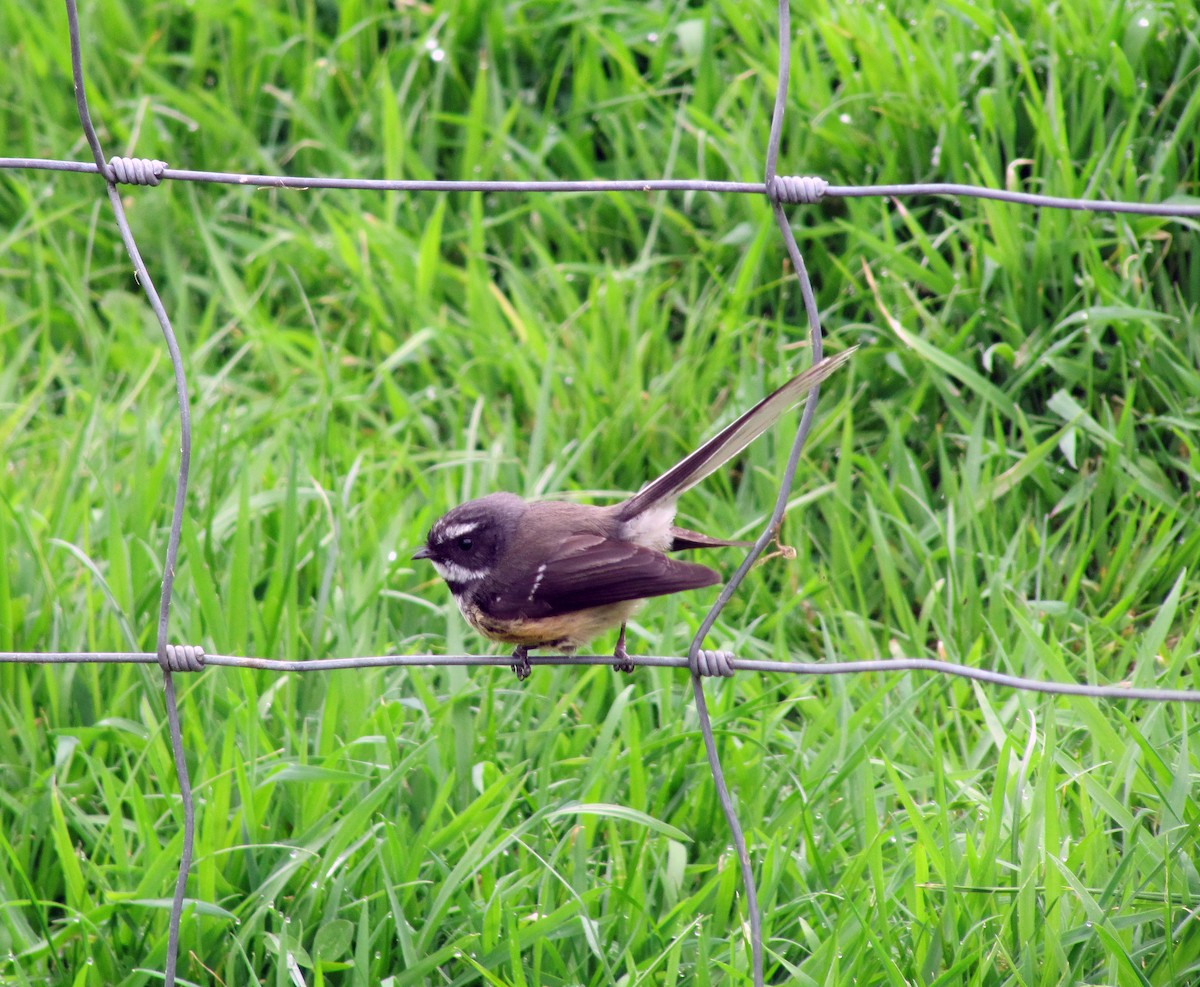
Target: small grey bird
550	574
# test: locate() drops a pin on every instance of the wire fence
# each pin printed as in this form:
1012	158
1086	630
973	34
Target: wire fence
780	190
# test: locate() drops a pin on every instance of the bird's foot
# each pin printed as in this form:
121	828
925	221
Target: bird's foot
713	663
623	663
520	662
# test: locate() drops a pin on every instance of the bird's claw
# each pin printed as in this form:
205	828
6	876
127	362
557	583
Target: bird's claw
622	664
520	663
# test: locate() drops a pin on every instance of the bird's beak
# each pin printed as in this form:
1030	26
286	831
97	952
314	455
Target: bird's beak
423	553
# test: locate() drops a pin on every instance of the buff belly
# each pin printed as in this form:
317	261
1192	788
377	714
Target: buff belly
564	632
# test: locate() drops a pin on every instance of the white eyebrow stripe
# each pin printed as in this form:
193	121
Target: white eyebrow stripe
452	572
452	531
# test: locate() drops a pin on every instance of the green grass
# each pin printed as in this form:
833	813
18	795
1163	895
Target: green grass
1007	474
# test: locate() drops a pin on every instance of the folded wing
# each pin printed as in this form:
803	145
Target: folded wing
591	571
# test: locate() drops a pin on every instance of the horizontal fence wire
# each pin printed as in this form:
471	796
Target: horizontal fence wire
779	190
805	190
881	666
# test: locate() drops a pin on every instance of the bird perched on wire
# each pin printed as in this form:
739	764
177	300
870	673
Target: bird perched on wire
550	574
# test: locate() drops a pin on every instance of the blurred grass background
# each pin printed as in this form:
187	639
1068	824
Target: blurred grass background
1006	475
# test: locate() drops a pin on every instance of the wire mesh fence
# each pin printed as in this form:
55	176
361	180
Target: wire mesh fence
780	191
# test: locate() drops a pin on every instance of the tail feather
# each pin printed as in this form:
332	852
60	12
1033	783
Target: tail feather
683	539
731	440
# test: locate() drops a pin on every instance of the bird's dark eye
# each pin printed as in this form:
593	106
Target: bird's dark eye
465	543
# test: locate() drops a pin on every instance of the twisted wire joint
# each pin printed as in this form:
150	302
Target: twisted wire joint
183	658
805	189
136	171
713	663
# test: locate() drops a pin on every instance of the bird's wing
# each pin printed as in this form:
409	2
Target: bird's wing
591	571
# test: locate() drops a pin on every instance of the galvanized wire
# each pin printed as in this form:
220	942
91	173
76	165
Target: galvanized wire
872	666
138	172
786	188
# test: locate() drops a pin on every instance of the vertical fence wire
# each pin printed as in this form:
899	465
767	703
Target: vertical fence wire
185	458
749	883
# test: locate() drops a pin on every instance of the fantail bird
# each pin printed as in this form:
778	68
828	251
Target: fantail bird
550	574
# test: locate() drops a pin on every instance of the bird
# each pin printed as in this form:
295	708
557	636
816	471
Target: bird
553	575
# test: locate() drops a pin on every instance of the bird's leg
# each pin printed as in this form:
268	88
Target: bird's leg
520	662
623	663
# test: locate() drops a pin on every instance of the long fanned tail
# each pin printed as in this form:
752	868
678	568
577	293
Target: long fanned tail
731	440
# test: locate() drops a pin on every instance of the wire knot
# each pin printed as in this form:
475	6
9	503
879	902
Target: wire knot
183	658
805	189
713	663
136	171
